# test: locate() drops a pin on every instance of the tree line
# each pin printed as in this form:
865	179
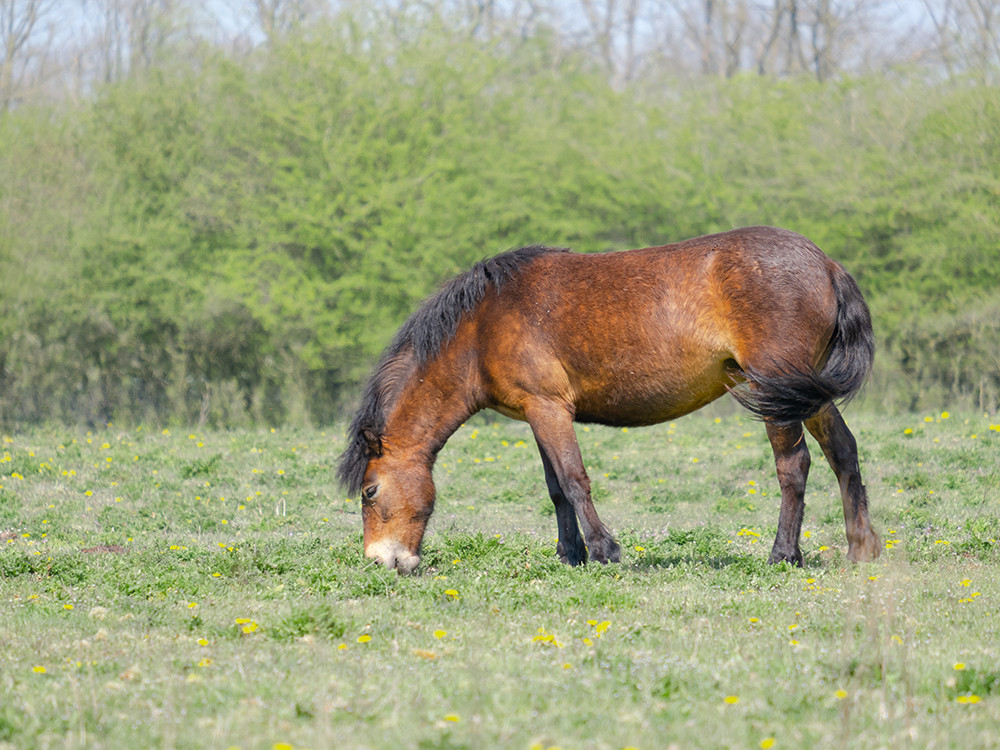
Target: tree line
231	236
64	49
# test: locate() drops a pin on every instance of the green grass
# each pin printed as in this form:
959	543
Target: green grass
164	589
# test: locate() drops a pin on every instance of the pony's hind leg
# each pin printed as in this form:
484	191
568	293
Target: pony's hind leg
791	459
552	426
841	452
571	548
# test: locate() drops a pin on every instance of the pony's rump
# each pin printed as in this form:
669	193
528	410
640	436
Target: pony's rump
784	393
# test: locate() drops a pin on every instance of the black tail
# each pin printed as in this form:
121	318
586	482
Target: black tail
790	395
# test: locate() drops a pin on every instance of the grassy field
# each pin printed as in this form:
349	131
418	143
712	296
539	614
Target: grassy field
176	589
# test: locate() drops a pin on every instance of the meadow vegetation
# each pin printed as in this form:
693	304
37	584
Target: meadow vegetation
228	238
168	588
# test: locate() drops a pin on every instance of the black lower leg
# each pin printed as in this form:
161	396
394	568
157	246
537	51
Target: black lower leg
552	425
791	458
570	548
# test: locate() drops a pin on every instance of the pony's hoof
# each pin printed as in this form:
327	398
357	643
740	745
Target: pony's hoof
793	556
575	556
606	551
865	551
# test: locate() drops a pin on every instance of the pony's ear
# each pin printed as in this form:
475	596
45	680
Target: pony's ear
373	441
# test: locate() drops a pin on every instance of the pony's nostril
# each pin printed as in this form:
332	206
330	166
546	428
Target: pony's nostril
386	560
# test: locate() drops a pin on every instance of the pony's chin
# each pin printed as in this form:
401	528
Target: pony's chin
393	555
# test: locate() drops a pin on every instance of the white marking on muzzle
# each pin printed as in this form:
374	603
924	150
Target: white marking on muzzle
392	554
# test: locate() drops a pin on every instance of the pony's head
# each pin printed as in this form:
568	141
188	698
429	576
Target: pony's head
397	498
397	491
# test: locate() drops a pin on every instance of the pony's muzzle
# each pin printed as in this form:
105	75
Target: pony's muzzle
392	554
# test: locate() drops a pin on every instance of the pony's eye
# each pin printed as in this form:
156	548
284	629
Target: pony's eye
369	493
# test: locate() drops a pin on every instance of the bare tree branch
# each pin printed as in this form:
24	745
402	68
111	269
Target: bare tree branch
21	24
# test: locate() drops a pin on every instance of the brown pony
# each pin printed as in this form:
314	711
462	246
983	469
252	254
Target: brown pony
622	338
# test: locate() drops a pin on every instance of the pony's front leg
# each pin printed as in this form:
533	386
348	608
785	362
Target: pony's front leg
791	458
552	425
571	549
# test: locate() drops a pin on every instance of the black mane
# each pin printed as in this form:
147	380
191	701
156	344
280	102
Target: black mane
417	342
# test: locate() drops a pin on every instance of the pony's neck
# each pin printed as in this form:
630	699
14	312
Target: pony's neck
432	402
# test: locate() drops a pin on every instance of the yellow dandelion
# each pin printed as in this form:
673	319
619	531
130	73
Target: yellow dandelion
959	666
452	718
364	638
546	638
39	669
732	700
439	634
840	694
766	743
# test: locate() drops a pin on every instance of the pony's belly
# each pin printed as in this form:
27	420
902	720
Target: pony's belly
644	411
626	403
634	401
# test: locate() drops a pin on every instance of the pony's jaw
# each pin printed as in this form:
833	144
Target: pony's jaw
393	554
